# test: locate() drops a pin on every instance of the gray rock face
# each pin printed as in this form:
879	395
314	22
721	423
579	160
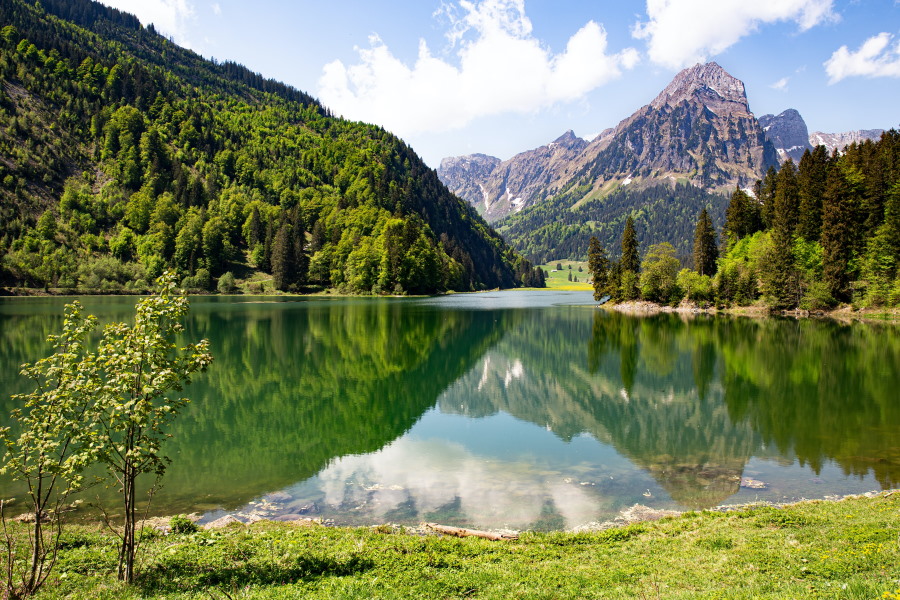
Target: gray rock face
698	129
788	133
839	141
465	175
710	84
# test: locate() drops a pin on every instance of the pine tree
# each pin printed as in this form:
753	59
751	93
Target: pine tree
283	257
837	232
811	178
630	259
630	265
741	219
598	266
787	199
706	251
765	194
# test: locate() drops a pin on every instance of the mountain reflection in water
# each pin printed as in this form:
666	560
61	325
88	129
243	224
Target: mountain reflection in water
513	409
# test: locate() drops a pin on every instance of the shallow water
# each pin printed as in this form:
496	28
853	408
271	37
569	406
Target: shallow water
506	409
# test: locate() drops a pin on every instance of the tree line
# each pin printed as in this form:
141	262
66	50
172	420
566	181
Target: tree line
812	235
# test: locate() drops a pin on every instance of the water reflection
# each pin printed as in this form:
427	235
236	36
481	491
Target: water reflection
511	409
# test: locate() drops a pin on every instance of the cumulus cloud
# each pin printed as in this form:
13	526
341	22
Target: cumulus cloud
781	85
497	66
680	33
169	17
876	57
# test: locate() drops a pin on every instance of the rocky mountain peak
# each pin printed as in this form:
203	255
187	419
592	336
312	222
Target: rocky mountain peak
568	139
788	133
710	84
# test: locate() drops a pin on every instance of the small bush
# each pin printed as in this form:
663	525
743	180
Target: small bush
182	524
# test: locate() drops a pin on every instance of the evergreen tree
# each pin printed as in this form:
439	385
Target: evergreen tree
598	266
811	178
787	199
631	261
837	217
706	251
742	217
765	194
283	265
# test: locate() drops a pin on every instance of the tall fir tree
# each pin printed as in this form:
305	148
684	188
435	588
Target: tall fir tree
598	266
811	178
630	264
283	265
631	260
765	194
787	199
706	250
742	217
837	244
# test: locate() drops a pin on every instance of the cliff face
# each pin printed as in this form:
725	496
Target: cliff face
788	133
465	176
839	141
699	129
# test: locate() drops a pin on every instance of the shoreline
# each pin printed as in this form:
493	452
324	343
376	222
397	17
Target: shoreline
636	513
844	313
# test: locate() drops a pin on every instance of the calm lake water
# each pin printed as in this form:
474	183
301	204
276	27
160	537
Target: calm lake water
507	409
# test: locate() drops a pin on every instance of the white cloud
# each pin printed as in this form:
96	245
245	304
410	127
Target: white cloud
497	67
680	33
876	57
781	85
217	9
169	17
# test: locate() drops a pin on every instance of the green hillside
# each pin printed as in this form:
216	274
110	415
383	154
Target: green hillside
560	227
122	154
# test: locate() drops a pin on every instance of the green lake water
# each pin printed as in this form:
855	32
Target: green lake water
508	409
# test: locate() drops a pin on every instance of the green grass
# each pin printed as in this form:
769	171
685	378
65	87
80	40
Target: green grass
559	279
847	549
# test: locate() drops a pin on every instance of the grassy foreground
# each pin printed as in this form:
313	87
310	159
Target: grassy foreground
845	549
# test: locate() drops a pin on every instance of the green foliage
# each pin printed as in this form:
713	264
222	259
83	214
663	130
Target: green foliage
49	448
706	250
138	366
204	163
660	271
563	224
694	286
182	524
226	283
630	260
598	267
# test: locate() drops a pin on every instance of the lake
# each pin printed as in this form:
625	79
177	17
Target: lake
514	409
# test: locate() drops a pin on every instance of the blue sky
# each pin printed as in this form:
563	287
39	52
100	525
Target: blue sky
455	77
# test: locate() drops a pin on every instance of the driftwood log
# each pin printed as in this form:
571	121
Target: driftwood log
462	532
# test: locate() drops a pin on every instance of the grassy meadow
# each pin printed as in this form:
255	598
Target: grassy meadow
845	549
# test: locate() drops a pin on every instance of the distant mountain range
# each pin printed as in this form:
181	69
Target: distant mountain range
789	133
699	130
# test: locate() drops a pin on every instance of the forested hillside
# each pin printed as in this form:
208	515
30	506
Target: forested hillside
561	226
122	154
812	235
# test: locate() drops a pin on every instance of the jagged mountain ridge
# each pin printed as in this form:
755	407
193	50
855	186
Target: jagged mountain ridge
790	135
839	141
699	129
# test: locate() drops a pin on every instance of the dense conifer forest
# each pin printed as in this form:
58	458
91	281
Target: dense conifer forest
560	227
122	155
812	235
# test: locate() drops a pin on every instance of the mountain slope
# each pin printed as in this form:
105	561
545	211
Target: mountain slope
699	129
122	154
